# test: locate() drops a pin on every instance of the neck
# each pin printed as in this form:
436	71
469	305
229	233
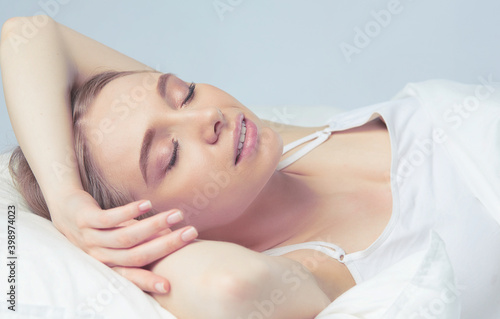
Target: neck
277	213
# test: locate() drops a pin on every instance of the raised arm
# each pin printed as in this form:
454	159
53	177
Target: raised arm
41	62
38	74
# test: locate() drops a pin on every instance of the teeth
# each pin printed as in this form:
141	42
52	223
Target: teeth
242	136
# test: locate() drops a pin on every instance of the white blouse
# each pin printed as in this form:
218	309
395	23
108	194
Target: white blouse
445	177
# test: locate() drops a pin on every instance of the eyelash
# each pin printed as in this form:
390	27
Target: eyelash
173	159
188	98
190	94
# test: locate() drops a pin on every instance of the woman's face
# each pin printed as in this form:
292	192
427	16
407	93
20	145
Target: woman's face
156	138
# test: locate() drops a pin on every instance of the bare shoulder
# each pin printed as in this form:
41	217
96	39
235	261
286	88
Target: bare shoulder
332	276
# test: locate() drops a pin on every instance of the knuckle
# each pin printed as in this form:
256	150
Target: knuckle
172	244
132	209
138	260
159	223
87	240
104	219
124	240
80	222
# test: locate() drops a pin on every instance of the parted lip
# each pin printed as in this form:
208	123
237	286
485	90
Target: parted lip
237	133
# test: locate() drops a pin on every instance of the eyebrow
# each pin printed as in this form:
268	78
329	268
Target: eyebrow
147	140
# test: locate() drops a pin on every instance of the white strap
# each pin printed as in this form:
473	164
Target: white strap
319	136
337	253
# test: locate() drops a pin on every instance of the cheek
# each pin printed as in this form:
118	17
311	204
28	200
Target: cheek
209	193
212	196
231	189
207	186
195	187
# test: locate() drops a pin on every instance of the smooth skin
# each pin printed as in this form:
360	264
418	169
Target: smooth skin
203	129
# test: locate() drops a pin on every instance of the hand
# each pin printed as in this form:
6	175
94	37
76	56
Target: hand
115	238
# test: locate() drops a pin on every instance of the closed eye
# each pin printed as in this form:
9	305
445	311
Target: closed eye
173	159
190	94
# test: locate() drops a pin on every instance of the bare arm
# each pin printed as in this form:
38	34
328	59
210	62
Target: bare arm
223	280
38	74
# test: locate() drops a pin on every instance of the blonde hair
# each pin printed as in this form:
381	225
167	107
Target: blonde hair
93	180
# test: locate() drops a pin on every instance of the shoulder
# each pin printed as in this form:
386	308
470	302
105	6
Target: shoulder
332	277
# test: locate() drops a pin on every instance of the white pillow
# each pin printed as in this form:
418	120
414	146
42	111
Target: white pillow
54	279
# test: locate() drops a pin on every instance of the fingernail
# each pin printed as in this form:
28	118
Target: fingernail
189	234
143	207
160	287
174	218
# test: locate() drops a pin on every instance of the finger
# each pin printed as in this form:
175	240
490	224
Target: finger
127	223
147	252
115	216
160	233
145	279
136	233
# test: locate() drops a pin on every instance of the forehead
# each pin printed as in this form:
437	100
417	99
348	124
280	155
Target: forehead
128	90
116	122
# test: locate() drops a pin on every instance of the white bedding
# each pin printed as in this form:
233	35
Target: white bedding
57	280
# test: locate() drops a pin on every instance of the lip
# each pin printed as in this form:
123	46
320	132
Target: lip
236	134
249	144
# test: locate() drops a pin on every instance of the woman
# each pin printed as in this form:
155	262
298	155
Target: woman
145	135
69	60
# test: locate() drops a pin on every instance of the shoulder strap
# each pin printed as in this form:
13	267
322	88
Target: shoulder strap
319	137
329	249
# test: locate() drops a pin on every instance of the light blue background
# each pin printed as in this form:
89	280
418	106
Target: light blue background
287	52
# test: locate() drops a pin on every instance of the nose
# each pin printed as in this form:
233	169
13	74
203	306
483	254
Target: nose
208	121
